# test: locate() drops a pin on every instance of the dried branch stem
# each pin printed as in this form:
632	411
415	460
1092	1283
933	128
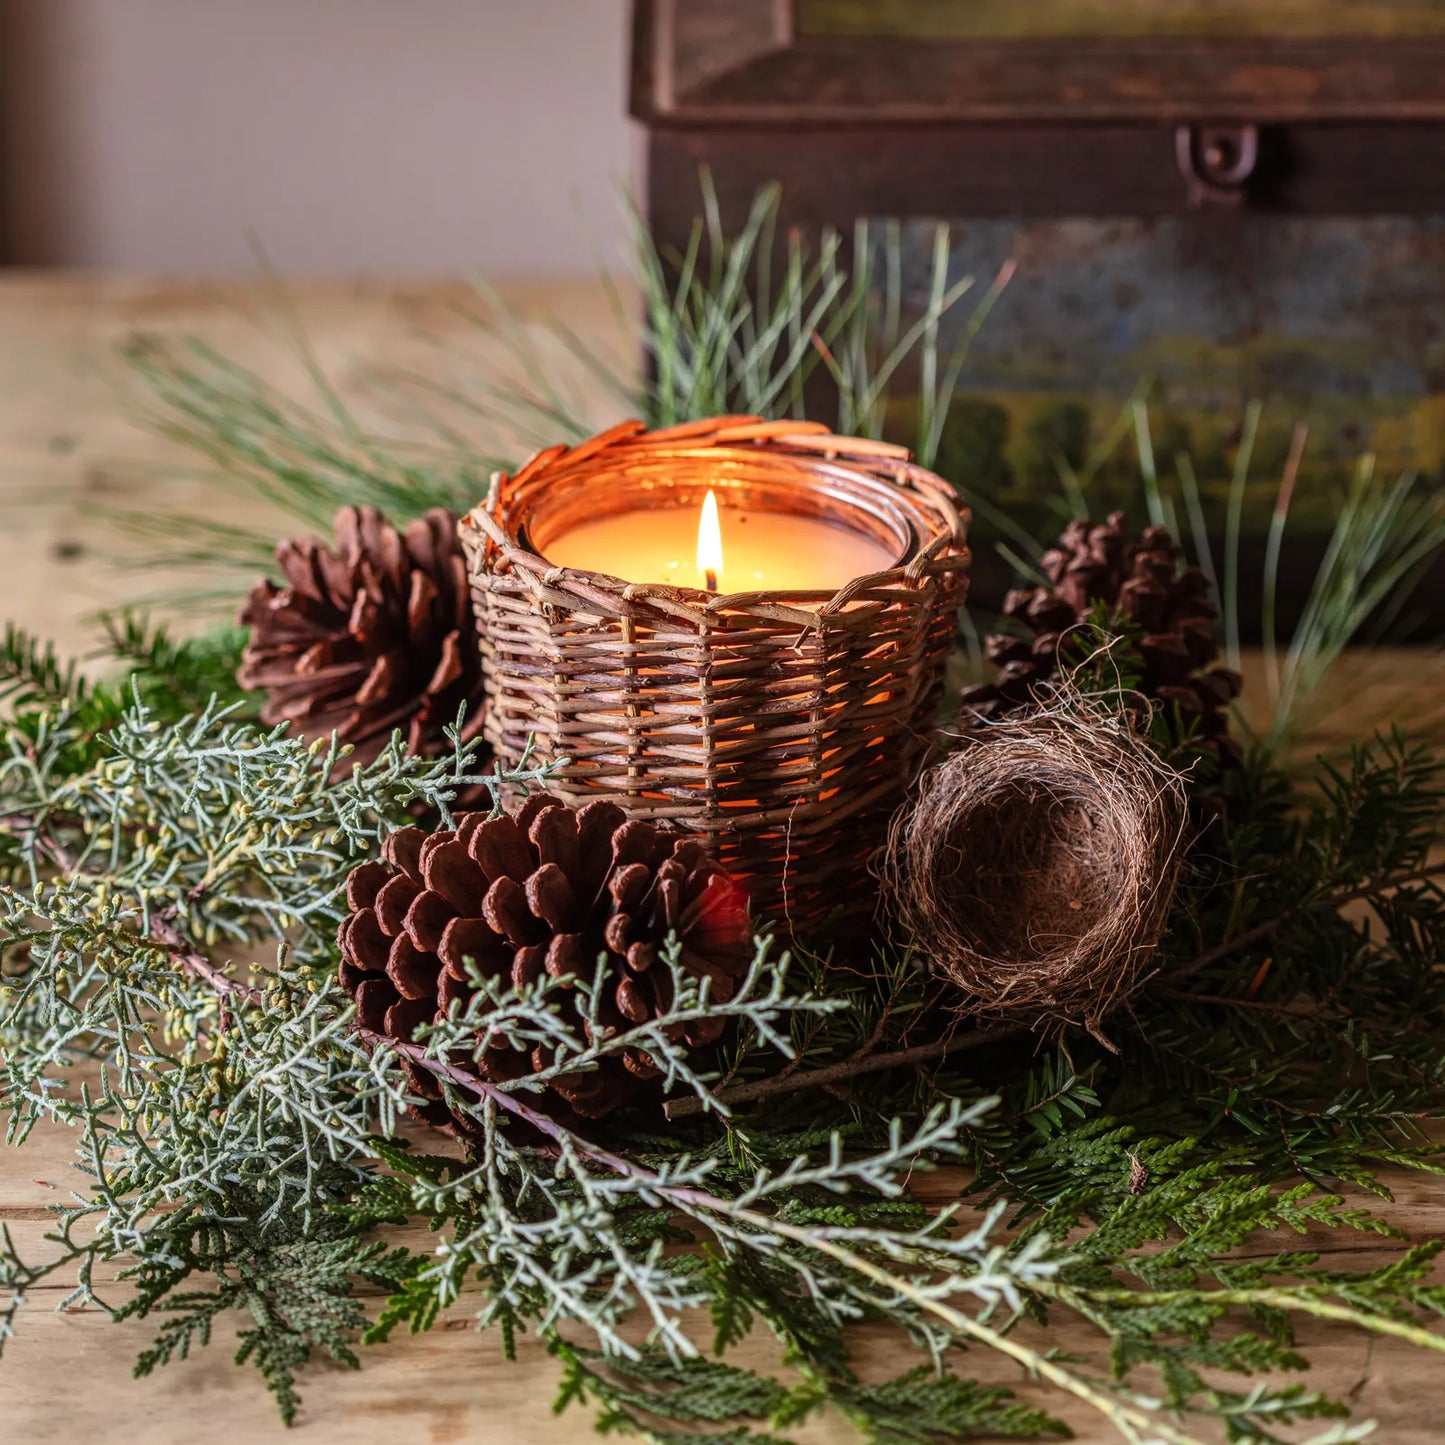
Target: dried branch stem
848	1069
1270	926
165	932
162	923
926	1053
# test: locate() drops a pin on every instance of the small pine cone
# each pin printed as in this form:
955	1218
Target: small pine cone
546	891
1140	581
373	634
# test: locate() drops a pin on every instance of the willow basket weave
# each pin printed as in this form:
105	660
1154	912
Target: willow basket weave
784	727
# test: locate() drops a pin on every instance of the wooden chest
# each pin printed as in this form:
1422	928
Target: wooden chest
1216	200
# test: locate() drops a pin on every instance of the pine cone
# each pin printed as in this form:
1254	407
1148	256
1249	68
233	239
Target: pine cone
545	891
1141	582
374	634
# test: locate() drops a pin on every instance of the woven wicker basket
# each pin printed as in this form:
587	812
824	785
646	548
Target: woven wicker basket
785	727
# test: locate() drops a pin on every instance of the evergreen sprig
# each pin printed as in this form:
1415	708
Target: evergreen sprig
238	1146
746	319
32	675
175	678
223	1108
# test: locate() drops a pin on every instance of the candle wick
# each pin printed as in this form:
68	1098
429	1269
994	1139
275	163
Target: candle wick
710	577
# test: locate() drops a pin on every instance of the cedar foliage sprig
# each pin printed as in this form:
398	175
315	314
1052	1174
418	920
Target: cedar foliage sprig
239	1149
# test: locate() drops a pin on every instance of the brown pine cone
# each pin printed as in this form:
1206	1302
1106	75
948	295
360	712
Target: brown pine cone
373	634
543	892
1141	582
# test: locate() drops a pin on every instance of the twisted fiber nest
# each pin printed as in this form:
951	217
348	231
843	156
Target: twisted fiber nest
1037	865
783	728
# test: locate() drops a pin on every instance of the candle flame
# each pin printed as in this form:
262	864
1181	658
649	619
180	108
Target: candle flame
709	543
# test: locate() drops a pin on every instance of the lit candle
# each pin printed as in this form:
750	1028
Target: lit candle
721	549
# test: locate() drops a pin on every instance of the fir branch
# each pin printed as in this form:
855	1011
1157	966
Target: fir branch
525	1018
230	1118
922	1300
724	329
31	675
298	1291
923	1406
655	1394
955	1043
175	678
1387	534
661	1399
165	932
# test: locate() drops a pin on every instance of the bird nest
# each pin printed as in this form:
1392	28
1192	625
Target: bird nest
1037	864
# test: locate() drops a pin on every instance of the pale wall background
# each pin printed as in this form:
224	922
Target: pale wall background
398	137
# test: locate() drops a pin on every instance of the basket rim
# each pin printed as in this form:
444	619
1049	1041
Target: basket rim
925	504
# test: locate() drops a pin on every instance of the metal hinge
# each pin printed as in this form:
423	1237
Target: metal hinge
1216	162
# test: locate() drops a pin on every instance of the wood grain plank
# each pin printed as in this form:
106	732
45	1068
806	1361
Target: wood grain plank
73	451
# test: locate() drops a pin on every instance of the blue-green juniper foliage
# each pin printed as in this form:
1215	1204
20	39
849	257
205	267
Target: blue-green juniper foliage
171	886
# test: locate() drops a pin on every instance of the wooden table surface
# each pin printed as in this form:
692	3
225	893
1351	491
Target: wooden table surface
69	453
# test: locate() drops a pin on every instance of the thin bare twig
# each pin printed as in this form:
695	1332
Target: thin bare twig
850	1068
165	933
1270	926
162	924
924	1053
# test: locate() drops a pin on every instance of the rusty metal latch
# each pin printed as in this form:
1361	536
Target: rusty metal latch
1216	162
